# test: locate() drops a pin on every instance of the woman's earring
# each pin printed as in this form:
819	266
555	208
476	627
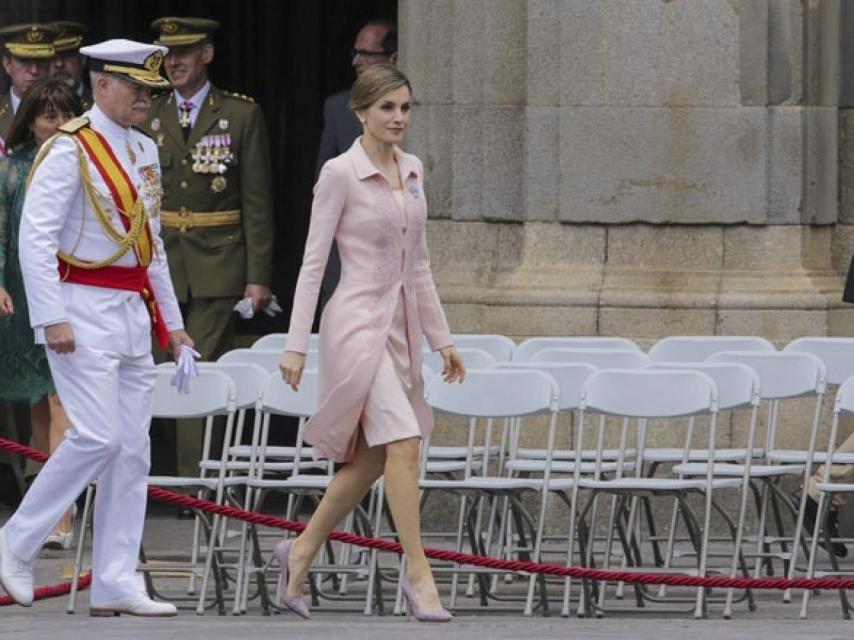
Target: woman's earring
362	120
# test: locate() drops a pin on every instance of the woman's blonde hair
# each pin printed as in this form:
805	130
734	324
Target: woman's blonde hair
374	83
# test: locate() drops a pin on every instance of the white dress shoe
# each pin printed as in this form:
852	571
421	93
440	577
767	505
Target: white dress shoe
59	540
138	604
16	576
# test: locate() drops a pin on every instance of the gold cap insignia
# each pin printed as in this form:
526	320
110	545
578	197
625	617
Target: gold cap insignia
168	27
35	35
153	62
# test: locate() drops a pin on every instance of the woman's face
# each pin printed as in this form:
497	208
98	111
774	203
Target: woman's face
387	119
47	123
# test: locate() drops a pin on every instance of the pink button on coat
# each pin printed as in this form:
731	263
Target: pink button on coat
353	203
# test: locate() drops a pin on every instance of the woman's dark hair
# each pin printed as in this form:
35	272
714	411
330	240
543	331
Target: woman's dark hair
44	96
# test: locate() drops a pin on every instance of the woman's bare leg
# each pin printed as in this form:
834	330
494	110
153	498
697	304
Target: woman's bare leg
59	422
40	425
344	493
401	488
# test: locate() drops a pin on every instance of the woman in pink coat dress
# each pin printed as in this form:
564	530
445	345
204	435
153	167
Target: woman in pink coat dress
371	413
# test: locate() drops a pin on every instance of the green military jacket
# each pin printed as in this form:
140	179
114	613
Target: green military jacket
216	261
7	114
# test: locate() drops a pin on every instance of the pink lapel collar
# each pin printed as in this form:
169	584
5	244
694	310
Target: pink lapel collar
365	168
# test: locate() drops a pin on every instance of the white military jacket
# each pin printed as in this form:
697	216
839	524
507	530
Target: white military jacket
58	216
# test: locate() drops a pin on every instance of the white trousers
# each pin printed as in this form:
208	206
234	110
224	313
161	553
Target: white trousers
108	398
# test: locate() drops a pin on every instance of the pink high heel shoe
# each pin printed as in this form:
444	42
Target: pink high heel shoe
422	615
294	603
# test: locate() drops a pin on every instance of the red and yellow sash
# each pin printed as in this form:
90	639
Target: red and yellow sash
132	214
121	188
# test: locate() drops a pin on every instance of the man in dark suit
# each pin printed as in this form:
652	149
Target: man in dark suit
375	43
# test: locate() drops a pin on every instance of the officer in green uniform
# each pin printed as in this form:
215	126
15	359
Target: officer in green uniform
217	219
68	65
27	52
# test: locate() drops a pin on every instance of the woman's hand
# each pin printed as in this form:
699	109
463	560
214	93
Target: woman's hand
454	369
6	306
291	366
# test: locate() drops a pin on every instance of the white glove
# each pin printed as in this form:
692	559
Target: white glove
244	308
186	369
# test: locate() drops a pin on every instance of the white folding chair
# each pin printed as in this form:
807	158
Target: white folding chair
212	394
247	379
531	346
274	398
601	358
489	394
739	389
474	358
570	378
277	342
837	354
277	398
783	376
499	347
699	348
652	399
693	349
844	405
267	358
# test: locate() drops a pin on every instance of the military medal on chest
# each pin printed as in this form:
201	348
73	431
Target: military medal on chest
212	154
151	188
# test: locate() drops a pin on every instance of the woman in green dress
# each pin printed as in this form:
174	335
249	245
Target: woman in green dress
24	372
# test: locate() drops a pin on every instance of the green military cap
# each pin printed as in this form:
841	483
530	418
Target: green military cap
70	35
29	40
179	32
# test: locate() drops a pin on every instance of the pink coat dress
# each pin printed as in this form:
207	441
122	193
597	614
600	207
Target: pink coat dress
354	204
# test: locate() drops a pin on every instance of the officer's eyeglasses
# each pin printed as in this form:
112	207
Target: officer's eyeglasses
369	54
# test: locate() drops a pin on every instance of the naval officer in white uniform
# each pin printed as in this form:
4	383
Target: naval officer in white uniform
98	335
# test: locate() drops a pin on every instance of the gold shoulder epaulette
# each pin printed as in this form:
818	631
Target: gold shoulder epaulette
241	96
74	125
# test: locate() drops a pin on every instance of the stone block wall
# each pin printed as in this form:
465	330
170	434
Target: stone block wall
636	167
639	168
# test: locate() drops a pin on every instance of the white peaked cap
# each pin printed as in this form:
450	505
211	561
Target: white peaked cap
138	62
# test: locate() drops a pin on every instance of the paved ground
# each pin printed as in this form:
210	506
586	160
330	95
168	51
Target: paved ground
165	536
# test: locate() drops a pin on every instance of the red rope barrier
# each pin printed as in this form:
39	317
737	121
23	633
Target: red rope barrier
54	591
481	561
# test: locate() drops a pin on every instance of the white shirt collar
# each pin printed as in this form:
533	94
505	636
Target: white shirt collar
102	123
15	100
197	99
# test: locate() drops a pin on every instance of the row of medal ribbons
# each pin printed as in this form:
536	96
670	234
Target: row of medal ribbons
212	154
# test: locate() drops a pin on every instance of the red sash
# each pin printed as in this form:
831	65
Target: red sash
125	196
126	279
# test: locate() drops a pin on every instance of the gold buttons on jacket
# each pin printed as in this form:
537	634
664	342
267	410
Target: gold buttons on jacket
184	184
184	162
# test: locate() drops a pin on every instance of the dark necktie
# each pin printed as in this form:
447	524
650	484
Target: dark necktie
184	118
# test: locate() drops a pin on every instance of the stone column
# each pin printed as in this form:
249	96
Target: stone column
635	167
